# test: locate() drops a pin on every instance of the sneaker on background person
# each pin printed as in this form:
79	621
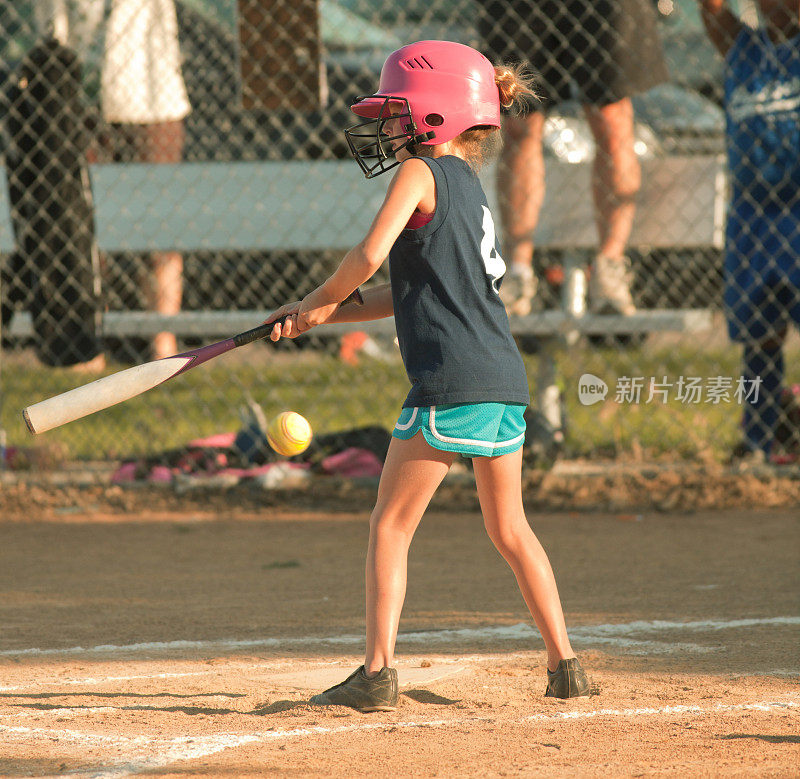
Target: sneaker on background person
610	286
519	289
96	365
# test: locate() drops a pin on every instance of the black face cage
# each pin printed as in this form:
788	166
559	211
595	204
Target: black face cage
371	147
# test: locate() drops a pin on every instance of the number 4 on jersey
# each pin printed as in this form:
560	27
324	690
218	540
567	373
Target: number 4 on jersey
492	261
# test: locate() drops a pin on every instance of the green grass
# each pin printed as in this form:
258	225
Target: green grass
206	400
335	396
656	429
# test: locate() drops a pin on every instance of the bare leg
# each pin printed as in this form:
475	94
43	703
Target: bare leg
165	295
521	185
163	143
500	493
616	175
412	472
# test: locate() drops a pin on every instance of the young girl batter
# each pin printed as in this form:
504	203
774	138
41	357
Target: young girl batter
438	108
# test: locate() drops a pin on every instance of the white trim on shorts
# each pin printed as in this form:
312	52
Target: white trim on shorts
465	441
408	424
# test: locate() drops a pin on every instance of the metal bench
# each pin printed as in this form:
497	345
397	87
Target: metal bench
325	205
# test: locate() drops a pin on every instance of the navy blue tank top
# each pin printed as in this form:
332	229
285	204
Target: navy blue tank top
451	324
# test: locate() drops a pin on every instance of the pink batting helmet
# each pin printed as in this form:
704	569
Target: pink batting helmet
442	86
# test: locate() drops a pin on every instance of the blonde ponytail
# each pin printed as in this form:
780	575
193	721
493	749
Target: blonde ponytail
516	87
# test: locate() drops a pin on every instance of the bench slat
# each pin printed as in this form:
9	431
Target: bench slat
323	205
207	324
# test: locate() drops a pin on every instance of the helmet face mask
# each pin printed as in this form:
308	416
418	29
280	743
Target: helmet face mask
372	147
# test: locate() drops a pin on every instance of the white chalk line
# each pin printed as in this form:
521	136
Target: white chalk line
95	680
76	711
698	625
172	750
277	665
588	635
91	680
218	670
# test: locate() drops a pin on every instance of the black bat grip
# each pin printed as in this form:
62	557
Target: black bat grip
262	331
256	334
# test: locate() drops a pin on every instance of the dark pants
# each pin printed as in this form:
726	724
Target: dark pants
55	268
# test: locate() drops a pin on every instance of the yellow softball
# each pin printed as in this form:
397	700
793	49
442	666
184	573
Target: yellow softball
289	434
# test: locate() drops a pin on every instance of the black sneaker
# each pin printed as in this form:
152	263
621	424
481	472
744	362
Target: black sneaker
376	693
568	681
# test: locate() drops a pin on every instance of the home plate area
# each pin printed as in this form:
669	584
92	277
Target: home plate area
476	714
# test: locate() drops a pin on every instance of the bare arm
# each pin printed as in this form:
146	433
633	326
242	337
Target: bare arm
377	305
722	25
412	183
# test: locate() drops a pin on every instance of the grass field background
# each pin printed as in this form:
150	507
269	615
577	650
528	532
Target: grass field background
336	396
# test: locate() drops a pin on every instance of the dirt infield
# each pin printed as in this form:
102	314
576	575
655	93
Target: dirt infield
172	643
568	485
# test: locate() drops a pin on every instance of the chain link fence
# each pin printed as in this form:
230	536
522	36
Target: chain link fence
185	158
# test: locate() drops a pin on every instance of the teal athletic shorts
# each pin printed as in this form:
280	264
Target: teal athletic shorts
471	429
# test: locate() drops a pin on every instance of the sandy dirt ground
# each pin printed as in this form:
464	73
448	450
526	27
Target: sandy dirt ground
176	643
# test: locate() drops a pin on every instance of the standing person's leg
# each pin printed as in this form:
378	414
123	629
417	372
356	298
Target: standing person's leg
520	189
616	179
763	364
761	298
616	174
165	294
500	493
163	143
